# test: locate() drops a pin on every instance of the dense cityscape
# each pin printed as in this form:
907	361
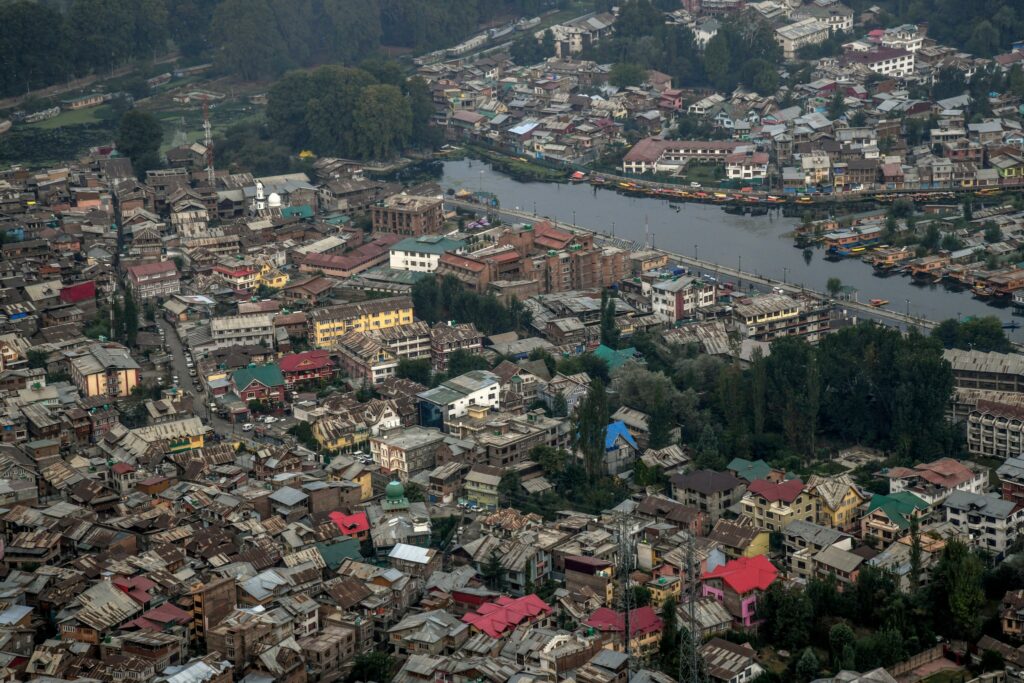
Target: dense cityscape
511	340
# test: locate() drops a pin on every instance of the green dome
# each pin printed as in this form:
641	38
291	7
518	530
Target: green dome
395	490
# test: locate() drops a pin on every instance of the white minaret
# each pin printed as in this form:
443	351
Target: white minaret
260	203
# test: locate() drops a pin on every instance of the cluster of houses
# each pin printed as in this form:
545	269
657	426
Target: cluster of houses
564	110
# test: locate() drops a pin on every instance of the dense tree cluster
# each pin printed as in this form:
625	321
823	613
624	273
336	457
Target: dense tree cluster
439	299
40	46
46	43
347	112
978	334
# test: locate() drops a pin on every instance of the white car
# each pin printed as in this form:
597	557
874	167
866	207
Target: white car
270	419
247	427
695	185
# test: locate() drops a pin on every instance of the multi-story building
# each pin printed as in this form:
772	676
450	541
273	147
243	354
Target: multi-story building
241	330
888	517
410	341
839	500
154	280
799	34
405	214
104	370
1011	477
709	491
995	430
364	358
933	481
747	166
505	439
771	316
803	540
328	324
986	371
887	61
728	662
481	486
837	16
645	628
987	522
739	584
580	33
454	397
238	277
446	339
259	383
775	505
315	366
681	297
652	155
406	451
421	254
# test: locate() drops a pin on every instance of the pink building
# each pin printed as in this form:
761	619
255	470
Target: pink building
738	584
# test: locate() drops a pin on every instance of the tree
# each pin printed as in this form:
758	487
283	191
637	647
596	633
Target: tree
417	370
609	329
932	237
834	286
138	138
981	334
717	58
414	492
915	554
462	361
807	666
957	594
626	74
559	407
668	648
591	425
968	209
493	572
371	666
383	122
840	639
37	358
787	616
641	596
761	76
993	233
837	107
131	320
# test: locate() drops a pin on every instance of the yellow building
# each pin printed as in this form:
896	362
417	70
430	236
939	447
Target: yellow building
838	501
340	432
773	505
663	587
271	277
328	324
740	538
104	370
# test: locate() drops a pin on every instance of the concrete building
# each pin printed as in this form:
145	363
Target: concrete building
933	481
410	215
104	370
328	324
241	330
805	32
995	430
364	358
154	280
454	397
775	505
986	522
709	491
770	316
421	254
681	297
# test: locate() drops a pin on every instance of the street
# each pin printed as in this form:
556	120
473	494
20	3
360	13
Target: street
180	368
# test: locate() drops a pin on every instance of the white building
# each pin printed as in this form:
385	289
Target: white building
835	15
241	330
906	37
933	482
421	254
747	166
885	61
681	297
987	522
799	34
453	398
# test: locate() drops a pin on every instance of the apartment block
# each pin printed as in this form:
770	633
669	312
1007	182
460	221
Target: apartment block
326	325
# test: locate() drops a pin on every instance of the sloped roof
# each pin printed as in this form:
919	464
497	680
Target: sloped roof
504	614
745	574
786	491
615	430
268	375
642	620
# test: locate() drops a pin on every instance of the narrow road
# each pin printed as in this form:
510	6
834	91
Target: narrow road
200	399
881	314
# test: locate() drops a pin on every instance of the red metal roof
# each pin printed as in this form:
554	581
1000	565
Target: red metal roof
350	525
745	574
80	291
772	491
307	360
504	614
642	620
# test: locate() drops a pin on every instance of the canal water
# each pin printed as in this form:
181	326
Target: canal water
755	244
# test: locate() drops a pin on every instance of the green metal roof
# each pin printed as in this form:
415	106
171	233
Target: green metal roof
898	507
268	375
615	359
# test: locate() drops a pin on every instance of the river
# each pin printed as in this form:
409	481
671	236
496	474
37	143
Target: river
756	244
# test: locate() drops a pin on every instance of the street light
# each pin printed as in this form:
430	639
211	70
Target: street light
696	253
785	271
908	308
739	268
574	219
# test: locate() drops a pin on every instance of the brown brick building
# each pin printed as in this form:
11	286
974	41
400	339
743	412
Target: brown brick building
410	215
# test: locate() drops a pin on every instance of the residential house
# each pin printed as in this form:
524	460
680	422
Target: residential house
157	280
326	325
481	486
710	492
453	397
740	538
104	370
728	662
889	517
259	383
986	522
932	482
839	500
645	628
738	584
775	505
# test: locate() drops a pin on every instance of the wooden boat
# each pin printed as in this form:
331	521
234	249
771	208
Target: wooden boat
879	302
578	177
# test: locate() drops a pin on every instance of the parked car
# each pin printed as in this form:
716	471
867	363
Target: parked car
247	427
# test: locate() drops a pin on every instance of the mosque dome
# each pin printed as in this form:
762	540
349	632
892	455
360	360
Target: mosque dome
394	490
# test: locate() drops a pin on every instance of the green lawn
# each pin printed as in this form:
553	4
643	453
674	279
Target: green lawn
71	118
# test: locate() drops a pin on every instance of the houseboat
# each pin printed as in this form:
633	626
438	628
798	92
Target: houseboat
929	268
851	242
884	261
1001	285
1018	302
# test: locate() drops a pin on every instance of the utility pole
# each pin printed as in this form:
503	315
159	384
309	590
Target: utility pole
626	592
